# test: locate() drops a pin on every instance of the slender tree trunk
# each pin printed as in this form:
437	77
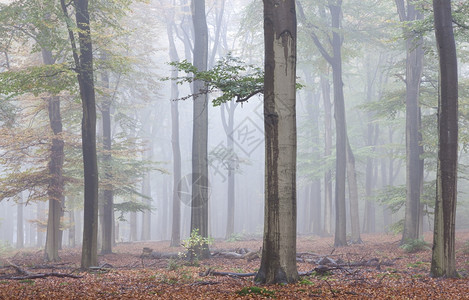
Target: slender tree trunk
146	191
228	125
340	238
133	227
325	86
176	222
199	208
312	107
414	68
39	230
278	262
72	231
107	188
443	254
353	196
56	160
19	225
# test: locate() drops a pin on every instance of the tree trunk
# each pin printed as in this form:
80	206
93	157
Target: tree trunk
228	125
443	254
19	225
326	94
146	191
278	263
414	68
176	150
72	231
176	222
353	196
84	68
199	207
340	238
56	160
107	188
133	226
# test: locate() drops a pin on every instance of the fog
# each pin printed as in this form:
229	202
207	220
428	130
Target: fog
141	128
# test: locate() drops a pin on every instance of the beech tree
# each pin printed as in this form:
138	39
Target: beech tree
199	205
278	263
443	252
408	12
83	58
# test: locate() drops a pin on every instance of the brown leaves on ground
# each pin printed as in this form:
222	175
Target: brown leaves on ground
394	274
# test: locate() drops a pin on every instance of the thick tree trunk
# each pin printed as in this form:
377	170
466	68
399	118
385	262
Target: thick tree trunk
443	254
199	208
278	263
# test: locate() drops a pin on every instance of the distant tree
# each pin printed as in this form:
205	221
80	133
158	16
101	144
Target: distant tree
107	188
278	263
334	58
443	253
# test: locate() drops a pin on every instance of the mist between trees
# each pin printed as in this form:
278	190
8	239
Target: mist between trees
182	146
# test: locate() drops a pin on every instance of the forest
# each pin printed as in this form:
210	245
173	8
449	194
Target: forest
289	149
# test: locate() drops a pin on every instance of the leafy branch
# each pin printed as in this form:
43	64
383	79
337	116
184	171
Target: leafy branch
230	76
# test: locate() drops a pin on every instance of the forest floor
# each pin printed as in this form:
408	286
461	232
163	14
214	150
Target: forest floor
376	269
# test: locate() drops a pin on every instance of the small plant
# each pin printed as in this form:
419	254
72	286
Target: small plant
238	270
194	246
418	264
27	281
5	247
415	245
235	237
305	281
321	275
254	290
465	248
173	264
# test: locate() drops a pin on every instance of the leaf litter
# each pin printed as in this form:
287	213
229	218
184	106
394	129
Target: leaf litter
376	269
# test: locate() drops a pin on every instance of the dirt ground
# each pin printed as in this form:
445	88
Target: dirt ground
376	269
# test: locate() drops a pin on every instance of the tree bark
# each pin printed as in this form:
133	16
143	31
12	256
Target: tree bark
353	196
443	254
107	188
326	94
228	125
414	68
340	238
19	225
278	263
84	67
199	207
71	231
56	160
